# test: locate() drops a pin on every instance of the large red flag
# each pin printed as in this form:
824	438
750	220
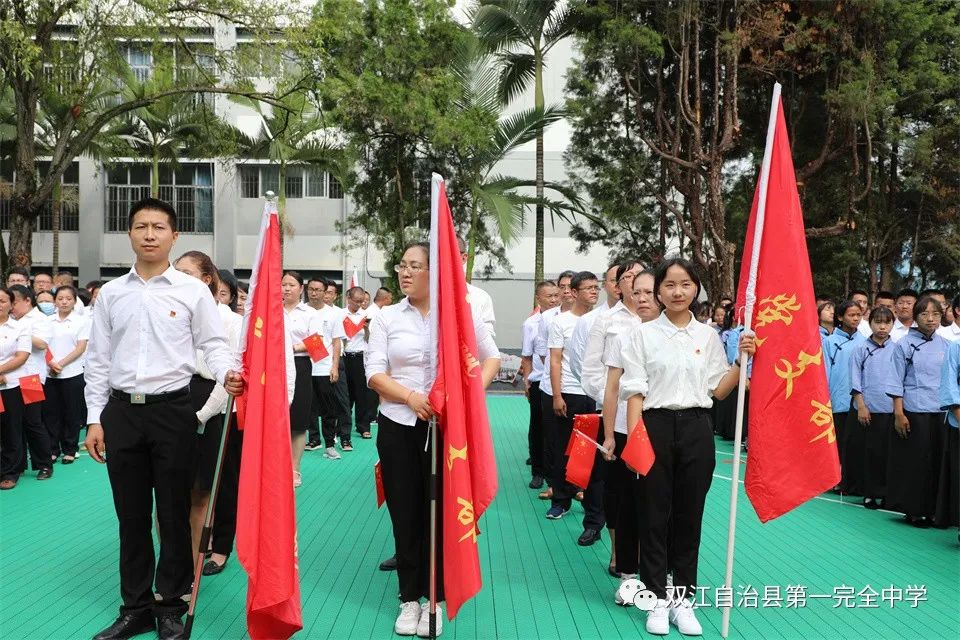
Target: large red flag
469	469
266	516
793	455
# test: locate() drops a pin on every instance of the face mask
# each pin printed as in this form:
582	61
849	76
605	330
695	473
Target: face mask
47	308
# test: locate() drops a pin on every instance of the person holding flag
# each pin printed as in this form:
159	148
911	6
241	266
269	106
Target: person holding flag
302	322
398	368
139	411
673	368
15	348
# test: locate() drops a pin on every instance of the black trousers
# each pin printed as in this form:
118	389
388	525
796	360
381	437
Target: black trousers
621	500
535	431
854	455
64	413
150	450
947	513
330	404
11	434
876	440
840	426
913	466
594	496
33	436
225	510
548	422
563	491
406	485
671	497
362	401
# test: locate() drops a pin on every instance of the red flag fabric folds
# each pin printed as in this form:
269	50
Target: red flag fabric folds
469	469
638	453
352	328
378	480
266	516
580	460
793	455
31	389
315	347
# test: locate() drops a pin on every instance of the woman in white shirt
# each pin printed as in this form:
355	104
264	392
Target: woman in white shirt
397	365
64	411
673	368
15	348
301	322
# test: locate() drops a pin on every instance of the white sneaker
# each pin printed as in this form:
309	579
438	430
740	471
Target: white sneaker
423	629
331	453
406	624
658	620
297	479
684	619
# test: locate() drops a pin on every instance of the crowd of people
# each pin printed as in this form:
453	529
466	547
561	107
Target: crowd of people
653	349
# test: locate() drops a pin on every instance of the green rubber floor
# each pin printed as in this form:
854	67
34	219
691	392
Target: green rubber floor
58	562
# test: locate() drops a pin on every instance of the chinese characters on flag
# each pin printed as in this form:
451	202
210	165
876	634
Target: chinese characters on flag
793	453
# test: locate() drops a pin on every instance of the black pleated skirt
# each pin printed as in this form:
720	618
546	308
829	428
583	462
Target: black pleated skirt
302	395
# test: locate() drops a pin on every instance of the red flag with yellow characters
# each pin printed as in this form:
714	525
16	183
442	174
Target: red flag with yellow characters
793	451
469	468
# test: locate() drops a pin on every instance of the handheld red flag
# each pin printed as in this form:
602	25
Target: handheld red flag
266	517
315	347
581	459
793	455
588	423
469	469
638	453
48	356
378	480
352	328
31	389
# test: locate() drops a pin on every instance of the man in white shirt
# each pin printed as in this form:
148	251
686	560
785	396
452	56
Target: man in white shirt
531	368
38	326
480	301
568	396
330	296
860	297
951	332
903	310
329	391
147	327
362	401
541	352
582	331
316	294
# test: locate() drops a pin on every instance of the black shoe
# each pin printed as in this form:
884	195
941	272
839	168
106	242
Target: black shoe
312	446
588	537
45	474
170	627
127	626
211	568
529	462
536	482
870	503
918	522
390	564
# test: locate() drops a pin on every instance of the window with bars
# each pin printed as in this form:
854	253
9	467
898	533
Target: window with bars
300	182
69	201
189	188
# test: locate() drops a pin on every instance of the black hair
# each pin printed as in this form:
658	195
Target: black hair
381	293
728	316
332	283
207	268
293	274
66	287
43	273
921	305
20	271
903	293
858	292
319	279
227	278
156	204
581	277
841	310
94	284
8	292
24	292
622	268
822	306
955	304
243	285
421	245
661	273
544	283
565	274
881	314
886	295
351	291
84	296
46	292
932	292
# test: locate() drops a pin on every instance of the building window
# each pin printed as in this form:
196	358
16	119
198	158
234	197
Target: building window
249	182
69	201
316	183
335	190
294	182
140	60
300	182
189	188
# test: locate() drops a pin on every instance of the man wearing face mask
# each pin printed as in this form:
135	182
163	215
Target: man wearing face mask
45	303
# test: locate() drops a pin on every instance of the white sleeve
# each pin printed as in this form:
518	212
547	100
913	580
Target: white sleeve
291	367
375	357
96	375
593	375
634	380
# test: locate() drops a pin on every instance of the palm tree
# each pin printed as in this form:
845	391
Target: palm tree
291	133
496	195
522	33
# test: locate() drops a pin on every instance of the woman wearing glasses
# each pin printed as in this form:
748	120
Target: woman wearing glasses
915	445
397	365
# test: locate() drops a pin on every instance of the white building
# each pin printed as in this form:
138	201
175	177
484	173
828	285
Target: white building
219	204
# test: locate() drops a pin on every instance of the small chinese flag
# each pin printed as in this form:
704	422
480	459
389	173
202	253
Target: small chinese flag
315	347
638	454
2	408
48	356
352	328
378	477
588	423
580	463
32	389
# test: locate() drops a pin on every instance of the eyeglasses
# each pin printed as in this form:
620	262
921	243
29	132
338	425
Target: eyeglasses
413	269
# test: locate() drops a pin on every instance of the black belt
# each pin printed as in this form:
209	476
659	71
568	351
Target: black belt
149	398
353	354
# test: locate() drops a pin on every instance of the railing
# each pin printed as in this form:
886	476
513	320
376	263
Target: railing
193	204
69	212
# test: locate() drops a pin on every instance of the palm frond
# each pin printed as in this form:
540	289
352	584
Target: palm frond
517	71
